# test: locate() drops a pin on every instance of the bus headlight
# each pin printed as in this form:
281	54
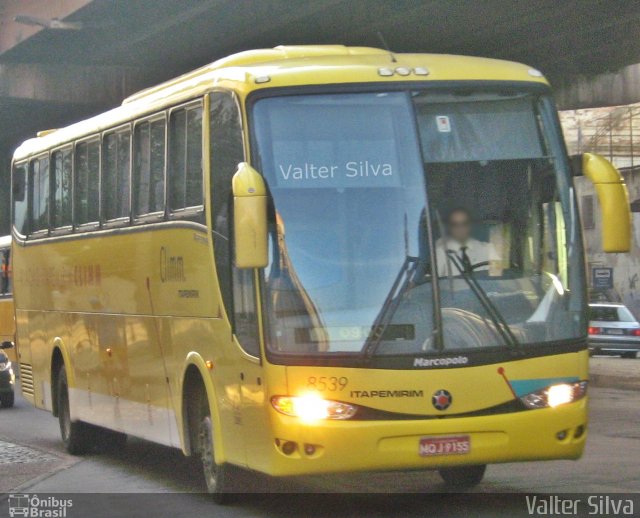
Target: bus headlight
312	407
555	395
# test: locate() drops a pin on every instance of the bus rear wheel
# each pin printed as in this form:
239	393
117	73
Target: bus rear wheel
463	476
76	435
218	477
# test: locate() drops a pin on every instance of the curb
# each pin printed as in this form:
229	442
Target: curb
615	382
22	488
66	462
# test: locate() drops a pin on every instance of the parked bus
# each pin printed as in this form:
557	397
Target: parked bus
7	315
253	263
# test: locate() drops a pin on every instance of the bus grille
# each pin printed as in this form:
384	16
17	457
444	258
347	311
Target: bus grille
26	379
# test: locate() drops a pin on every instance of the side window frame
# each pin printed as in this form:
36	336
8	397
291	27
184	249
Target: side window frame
195	212
65	229
24	164
89	225
121	221
155	216
40	232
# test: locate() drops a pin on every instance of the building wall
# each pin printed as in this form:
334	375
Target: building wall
626	267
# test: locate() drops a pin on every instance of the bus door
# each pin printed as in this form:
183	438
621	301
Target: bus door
243	377
252	393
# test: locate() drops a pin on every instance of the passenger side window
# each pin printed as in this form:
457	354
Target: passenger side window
116	177
20	188
237	286
6	284
87	194
185	158
149	153
62	167
40	194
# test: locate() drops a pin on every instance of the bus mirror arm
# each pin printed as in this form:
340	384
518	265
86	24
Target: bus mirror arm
249	218
614	202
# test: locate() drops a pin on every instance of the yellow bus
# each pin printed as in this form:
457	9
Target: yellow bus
313	259
7	316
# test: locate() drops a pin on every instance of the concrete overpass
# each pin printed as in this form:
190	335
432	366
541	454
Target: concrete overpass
61	60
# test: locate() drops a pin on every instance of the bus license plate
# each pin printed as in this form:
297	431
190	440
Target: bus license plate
452	445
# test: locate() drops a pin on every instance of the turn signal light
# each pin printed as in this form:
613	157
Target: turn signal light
594	330
311	407
635	332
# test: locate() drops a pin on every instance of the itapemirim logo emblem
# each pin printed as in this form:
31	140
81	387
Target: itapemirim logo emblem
33	506
441	399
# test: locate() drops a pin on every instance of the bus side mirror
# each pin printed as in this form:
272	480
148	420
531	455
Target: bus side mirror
614	202
6	345
249	218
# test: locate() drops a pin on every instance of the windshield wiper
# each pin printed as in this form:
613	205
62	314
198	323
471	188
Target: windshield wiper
494	314
403	282
390	305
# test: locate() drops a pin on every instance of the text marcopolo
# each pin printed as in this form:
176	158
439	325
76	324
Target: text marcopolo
440	362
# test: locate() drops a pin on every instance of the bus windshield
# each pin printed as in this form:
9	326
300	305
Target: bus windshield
417	222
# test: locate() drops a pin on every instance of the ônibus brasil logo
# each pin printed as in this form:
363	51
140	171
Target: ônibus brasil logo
33	506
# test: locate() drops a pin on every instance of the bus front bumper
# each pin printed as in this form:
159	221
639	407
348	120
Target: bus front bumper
343	446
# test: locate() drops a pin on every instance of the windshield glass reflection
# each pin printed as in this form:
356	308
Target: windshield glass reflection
355	251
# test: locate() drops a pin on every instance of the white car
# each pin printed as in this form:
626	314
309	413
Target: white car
613	330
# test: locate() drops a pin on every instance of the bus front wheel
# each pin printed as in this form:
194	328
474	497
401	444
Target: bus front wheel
463	476
220	478
76	435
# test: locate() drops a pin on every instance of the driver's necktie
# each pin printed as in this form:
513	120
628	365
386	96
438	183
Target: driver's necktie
466	262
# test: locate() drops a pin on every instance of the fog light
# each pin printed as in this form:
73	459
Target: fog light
579	432
309	449
561	436
288	447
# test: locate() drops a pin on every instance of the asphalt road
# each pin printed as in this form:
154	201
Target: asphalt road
30	447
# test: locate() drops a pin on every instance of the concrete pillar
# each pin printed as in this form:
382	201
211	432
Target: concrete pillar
609	89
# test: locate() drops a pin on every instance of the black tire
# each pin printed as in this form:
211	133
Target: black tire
77	436
631	355
463	477
7	400
220	479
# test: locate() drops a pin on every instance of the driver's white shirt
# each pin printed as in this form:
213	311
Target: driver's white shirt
478	252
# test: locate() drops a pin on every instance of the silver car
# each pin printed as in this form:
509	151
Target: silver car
613	330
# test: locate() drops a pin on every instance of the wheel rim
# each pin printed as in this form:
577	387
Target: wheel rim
209	466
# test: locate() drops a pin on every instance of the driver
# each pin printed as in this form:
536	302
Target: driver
473	255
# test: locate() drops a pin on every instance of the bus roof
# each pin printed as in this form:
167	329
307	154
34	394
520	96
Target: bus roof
288	66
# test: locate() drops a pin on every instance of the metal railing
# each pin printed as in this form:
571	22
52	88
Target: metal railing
611	132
